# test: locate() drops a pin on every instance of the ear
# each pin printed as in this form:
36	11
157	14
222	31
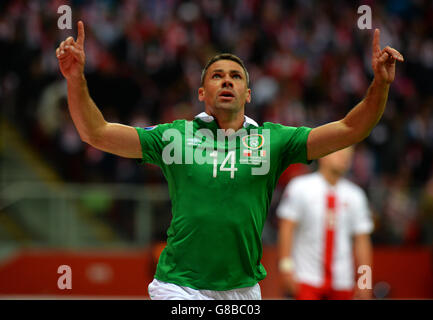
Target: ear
248	98
201	94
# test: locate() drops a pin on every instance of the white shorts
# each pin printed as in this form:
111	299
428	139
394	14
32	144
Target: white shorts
159	290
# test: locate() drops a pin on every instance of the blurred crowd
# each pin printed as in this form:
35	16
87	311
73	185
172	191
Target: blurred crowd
309	64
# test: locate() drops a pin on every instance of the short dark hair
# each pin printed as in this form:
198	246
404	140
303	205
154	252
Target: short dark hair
225	56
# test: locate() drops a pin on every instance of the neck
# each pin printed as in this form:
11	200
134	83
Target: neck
330	176
228	120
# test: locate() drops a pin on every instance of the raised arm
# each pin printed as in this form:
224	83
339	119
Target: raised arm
115	138
359	122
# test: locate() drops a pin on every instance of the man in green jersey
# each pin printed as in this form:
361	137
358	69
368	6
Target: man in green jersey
221	168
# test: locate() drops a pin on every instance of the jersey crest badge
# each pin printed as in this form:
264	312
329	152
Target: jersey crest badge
253	141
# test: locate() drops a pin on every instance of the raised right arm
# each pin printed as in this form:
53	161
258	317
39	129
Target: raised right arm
114	138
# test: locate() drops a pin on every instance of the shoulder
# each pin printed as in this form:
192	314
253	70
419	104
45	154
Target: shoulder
159	130
296	189
354	190
177	124
276	126
279	126
304	181
287	132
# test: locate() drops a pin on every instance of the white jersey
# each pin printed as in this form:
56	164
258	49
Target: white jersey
305	201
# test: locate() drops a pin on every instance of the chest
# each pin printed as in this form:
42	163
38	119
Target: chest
208	160
323	208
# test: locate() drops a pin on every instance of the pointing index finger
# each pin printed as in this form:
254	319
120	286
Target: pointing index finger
376	43
81	36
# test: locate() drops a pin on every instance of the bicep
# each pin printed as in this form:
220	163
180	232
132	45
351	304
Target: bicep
329	138
118	139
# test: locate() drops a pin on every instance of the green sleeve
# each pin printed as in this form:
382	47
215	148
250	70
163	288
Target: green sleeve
296	147
152	143
293	144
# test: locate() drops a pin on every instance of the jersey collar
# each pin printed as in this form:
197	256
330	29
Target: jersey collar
208	118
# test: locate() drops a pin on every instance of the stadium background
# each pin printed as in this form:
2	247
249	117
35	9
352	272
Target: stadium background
63	202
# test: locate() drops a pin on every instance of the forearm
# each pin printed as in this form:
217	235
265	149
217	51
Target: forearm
363	251
366	114
363	257
359	122
86	116
353	128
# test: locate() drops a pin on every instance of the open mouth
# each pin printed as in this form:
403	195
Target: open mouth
226	95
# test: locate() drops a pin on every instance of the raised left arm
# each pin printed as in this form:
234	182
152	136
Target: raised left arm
359	122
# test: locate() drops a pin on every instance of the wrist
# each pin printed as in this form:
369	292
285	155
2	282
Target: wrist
77	81
381	83
286	265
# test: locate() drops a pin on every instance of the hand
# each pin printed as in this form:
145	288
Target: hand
71	55
383	61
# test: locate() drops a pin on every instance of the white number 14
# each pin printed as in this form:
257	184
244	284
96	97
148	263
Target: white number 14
232	156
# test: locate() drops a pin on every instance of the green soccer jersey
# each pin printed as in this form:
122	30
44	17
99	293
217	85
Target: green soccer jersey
220	187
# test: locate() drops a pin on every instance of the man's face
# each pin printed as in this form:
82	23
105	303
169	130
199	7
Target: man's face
225	86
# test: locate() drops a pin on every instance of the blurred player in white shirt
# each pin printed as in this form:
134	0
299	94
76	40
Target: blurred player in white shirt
325	227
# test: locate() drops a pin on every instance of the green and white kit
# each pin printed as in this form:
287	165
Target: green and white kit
221	188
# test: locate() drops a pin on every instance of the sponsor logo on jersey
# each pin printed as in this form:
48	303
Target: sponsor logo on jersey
253	141
150	128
